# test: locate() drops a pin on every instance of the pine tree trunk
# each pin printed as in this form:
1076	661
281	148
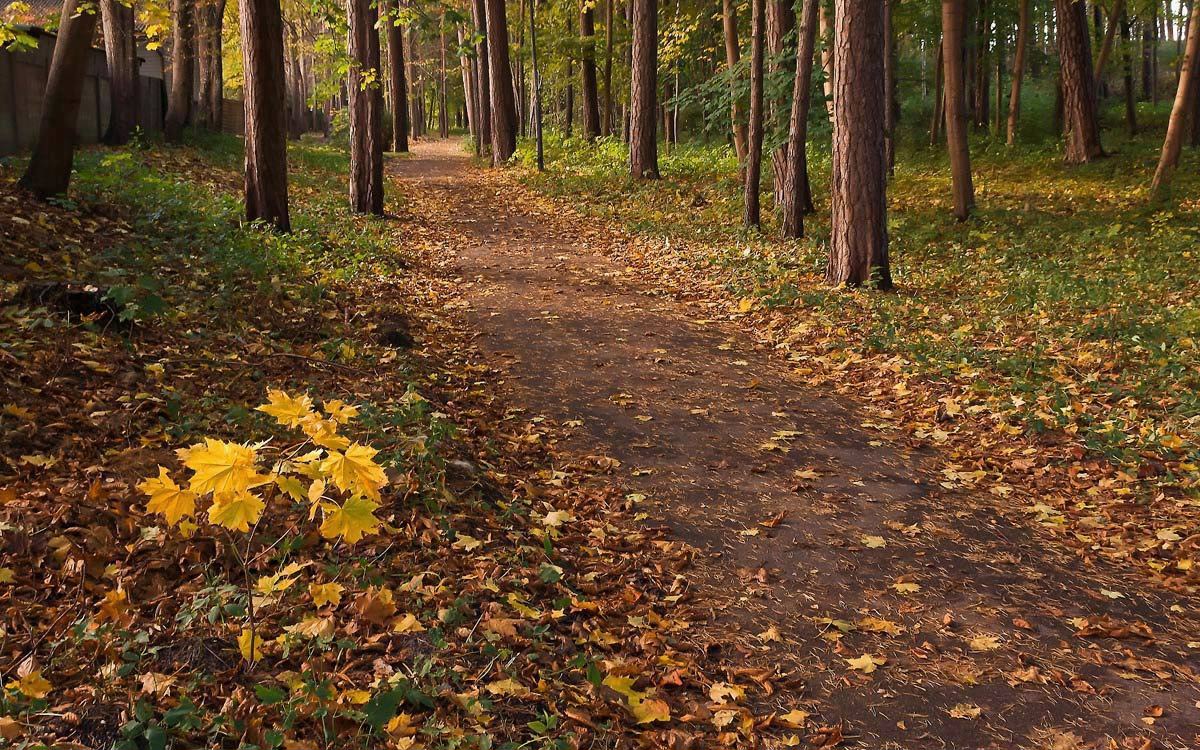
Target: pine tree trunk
483	91
732	56
179	100
209	25
858	242
467	69
591	97
266	127
827	53
366	110
120	52
443	110
1127	65
797	195
980	90
1183	107
939	97
504	113
1078	83
49	170
1110	35
1018	72
643	94
606	126
397	85
889	83
751	216
781	21
953	14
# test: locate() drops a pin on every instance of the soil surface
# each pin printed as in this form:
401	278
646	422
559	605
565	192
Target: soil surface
817	541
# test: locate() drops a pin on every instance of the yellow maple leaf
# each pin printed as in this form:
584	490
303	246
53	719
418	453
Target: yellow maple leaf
355	470
866	663
326	593
408	624
273	584
353	520
288	411
904	587
313	627
339	411
7	575
167	498
236	512
649	710
246	640
32	685
323	432
222	468
794	718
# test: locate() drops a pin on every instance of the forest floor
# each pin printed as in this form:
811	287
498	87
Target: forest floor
619	511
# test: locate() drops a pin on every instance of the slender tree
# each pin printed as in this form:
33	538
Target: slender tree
732	57
606	120
179	100
266	126
587	64
889	83
858	243
1184	105
751	216
643	96
826	31
504	110
120	52
537	87
1078	83
49	170
366	110
210	102
1127	65
397	83
1110	34
1018	70
953	13
484	94
797	195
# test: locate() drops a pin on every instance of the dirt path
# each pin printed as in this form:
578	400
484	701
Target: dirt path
805	524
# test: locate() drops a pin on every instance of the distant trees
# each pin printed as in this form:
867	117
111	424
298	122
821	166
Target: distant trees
797	195
210	99
643	97
1186	95
1018	71
589	90
263	98
397	83
732	56
953	15
751	216
179	98
120	53
366	110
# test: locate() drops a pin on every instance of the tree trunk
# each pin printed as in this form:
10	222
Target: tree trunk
1127	65
591	97
781	21
443	110
467	69
797	195
366	110
858	242
981	73
606	126
956	109
939	98
827	57
397	85
889	83
266	128
482	82
504	112
751	216
732	56
209	27
49	170
1184	97
120	52
537	86
1109	37
643	91
1018	72
1078	83
179	101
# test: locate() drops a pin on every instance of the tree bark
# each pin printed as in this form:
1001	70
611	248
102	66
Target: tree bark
826	29
483	81
591	96
939	98
443	94
858	243
606	121
1127	65
889	83
467	68
120	52
266	127
1018	72
643	91
1184	105
981	72
1109	37
504	112
797	195
397	83
732	56
751	216
953	14
179	100
1078	83
49	170
210	21
366	110
781	21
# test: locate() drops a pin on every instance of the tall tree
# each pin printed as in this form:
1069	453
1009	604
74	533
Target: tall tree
179	100
397	83
889	84
537	87
1018	70
366	110
1078	83
797	195
591	96
1185	95
606	120
953	18
858	242
1127	74
210	101
120	52
781	24
504	108
263	94
483	93
1110	34
49	170
732	56
751	216
643	94
826	20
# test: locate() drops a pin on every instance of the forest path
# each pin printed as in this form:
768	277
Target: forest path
805	524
